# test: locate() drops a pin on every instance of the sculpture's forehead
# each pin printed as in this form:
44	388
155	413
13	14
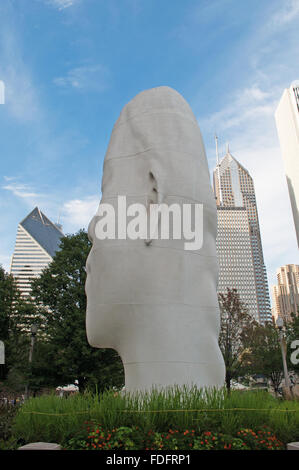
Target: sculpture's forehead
155	118
153	101
156	132
159	129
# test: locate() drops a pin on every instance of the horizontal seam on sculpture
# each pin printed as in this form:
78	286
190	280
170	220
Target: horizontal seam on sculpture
128	155
171	362
132	155
194	252
196	201
122	122
158	304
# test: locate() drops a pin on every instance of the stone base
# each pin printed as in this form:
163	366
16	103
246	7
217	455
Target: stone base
293	446
41	446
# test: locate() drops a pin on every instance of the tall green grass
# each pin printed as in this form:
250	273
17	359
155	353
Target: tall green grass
53	419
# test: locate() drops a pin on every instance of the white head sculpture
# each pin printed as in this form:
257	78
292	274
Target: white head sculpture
155	302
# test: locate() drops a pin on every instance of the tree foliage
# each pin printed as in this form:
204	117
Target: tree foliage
60	292
235	321
12	309
263	353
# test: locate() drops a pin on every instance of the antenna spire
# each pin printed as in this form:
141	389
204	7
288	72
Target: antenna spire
218	171
217	154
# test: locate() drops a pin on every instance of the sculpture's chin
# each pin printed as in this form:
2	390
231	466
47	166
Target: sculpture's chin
99	331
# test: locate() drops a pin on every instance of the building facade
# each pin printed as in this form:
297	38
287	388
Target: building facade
235	257
234	192
36	244
286	293
287	123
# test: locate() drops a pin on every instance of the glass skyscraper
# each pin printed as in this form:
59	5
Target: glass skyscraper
239	237
287	122
36	244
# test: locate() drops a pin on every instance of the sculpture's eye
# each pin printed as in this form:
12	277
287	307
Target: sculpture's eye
153	189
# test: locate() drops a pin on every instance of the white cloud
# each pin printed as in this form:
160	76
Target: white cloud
21	96
62	4
21	190
89	77
77	213
250	103
285	15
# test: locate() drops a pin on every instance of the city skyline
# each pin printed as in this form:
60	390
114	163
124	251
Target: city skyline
69	67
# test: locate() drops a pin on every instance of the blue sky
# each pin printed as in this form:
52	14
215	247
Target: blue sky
69	66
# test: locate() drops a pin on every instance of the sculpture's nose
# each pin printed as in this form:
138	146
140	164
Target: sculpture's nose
91	229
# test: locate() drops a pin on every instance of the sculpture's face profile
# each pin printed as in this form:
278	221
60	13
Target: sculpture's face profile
156	303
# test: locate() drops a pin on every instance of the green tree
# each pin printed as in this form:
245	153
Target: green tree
8	293
264	353
235	320
60	292
11	305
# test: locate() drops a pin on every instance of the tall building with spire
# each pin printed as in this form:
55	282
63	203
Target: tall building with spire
287	123
239	240
36	244
286	292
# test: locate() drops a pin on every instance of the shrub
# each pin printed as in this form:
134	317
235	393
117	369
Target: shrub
95	437
263	439
170	440
219	441
125	438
